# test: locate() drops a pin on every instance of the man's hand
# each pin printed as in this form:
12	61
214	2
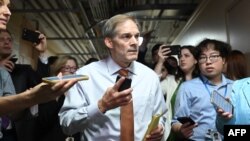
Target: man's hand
223	114
186	130
113	98
156	134
6	63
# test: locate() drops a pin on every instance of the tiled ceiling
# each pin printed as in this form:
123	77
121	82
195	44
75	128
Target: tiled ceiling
74	25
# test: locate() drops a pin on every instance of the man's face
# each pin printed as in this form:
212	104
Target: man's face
4	13
211	63
124	45
5	44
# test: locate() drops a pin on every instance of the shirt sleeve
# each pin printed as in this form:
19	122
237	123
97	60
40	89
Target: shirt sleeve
8	87
182	104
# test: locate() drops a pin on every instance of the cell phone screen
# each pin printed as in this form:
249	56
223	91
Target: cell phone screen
125	85
220	101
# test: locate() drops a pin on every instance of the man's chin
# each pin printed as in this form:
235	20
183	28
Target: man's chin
132	58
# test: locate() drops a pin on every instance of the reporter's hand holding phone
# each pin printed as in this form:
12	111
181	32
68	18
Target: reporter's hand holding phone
41	47
112	98
186	130
44	92
223	114
163	53
8	64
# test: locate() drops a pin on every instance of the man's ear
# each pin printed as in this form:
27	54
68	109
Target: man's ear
108	42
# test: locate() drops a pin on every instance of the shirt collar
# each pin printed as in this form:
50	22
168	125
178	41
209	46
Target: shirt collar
113	67
225	81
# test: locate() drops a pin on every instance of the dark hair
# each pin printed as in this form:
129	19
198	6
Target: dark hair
90	60
222	47
196	72
52	59
236	65
172	69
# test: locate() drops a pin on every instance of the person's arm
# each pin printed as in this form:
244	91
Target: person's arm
42	47
39	94
162	54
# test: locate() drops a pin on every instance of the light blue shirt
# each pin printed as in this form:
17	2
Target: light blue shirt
193	100
6	88
6	84
80	110
240	98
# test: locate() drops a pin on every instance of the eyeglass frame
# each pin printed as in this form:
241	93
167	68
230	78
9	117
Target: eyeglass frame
213	58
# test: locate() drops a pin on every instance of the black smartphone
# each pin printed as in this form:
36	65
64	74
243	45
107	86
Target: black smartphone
13	59
175	49
185	120
125	85
30	35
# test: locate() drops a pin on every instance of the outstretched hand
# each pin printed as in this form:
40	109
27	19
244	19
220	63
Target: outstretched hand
45	92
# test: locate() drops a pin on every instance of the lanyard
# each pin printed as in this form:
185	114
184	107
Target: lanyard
205	84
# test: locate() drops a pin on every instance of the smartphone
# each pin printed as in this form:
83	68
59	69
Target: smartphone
125	85
13	59
221	102
30	35
175	49
185	120
55	79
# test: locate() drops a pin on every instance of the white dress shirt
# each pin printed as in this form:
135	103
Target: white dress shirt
80	110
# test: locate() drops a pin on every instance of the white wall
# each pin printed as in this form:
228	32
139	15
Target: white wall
207	22
225	20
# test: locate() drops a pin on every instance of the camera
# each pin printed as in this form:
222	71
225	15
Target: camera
30	35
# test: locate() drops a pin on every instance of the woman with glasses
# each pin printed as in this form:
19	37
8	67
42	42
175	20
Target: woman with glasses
193	97
66	65
49	127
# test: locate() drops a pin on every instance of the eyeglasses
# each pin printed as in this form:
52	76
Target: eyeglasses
5	39
212	58
69	69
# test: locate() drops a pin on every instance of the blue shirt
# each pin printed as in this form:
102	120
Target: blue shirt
240	99
6	88
193	100
6	84
80	110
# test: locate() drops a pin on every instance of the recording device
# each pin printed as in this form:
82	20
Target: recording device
125	85
30	35
184	120
153	123
221	102
13	59
175	49
55	79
